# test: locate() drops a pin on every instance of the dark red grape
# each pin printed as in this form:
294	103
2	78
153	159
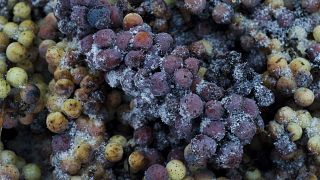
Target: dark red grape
171	63
123	40
285	18
157	172
99	17
159	84
183	78
104	38
191	105
116	16
153	156
213	129
214	110
108	59
313	53
142	40
143	136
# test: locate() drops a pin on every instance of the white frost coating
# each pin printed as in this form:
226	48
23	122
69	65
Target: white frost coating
113	78
314	127
204	123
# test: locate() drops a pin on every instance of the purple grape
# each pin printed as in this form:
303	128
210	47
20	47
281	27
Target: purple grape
183	78
195	6
108	59
192	64
303	78
230	155
284	146
214	110
203	146
159	84
204	175
213	129
175	153
99	17
181	51
143	136
222	13
285	18
157	172
116	16
78	15
210	91
86	43
250	3
233	103
164	42
171	63
153	156
313	53
123	40
60	143
182	128
310	6
245	130
191	105
250	107
104	38
80	2
134	58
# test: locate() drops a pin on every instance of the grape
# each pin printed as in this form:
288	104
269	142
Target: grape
232	103
250	107
123	39
164	42
230	154
303	78
153	156
60	143
192	64
204	175
250	3
181	51
191	105
99	17
159	84
203	146
116	16
175	153
78	16
245	130
284	145
108	59
104	38
222	13
134	58
156	171
171	63
142	40
213	129
210	91
86	43
195	6
143	136
183	78
214	110
182	128
285	18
